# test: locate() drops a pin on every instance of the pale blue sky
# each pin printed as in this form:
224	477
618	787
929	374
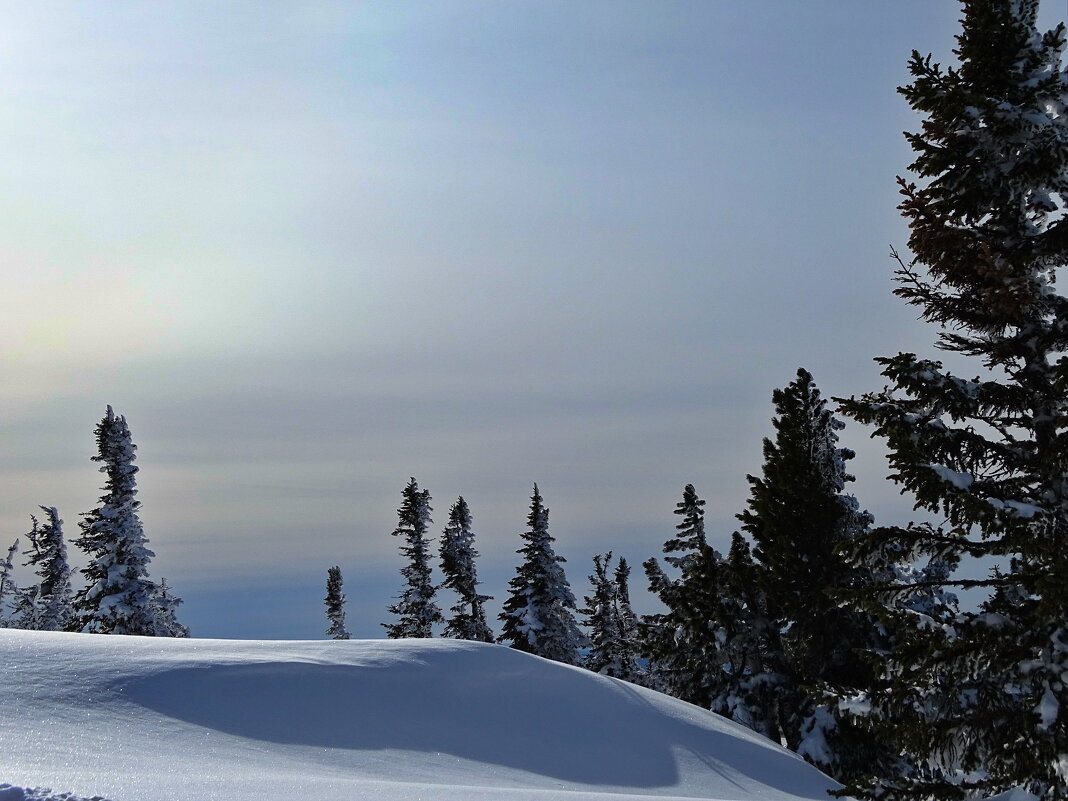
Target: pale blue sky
311	249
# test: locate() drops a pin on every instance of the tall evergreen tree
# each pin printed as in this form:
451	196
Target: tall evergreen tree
800	517
458	556
335	605
538	616
415	608
684	644
981	702
46	606
8	590
119	595
613	643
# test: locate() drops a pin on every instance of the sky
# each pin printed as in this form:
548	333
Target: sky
310	250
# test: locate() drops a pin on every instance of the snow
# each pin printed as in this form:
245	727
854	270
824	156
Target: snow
1016	794
1025	510
814	732
161	719
958	480
1017	508
1048	708
9	792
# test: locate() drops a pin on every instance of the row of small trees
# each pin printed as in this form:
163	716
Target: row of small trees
416	608
538	615
118	596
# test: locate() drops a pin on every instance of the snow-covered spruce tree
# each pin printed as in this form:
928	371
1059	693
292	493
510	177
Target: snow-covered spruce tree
684	644
23	614
415	608
538	615
119	596
165	610
982	702
458	556
335	605
46	606
629	637
613	647
600	618
8	590
799	516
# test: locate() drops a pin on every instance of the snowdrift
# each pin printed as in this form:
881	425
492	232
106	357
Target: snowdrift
142	719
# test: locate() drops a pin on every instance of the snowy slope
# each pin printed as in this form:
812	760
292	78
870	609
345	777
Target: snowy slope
140	719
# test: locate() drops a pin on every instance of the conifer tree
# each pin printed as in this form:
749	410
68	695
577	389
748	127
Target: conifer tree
165	611
600	618
981	701
458	556
629	638
8	590
46	606
538	616
613	645
335	605
683	645
799	517
24	612
415	608
119	595
750	689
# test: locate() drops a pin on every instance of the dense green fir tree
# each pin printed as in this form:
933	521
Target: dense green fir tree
335	605
538	615
119	597
684	644
613	647
981	702
799	516
748	691
458	556
415	608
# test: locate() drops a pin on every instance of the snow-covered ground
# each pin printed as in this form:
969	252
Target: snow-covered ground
141	719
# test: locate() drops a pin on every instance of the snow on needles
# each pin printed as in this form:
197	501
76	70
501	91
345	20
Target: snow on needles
958	480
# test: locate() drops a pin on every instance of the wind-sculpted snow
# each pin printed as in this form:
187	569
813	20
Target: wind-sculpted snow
9	792
140	719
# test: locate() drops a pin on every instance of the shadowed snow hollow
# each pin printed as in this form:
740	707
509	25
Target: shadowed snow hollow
137	719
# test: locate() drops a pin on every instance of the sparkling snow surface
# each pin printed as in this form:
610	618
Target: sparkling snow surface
142	719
